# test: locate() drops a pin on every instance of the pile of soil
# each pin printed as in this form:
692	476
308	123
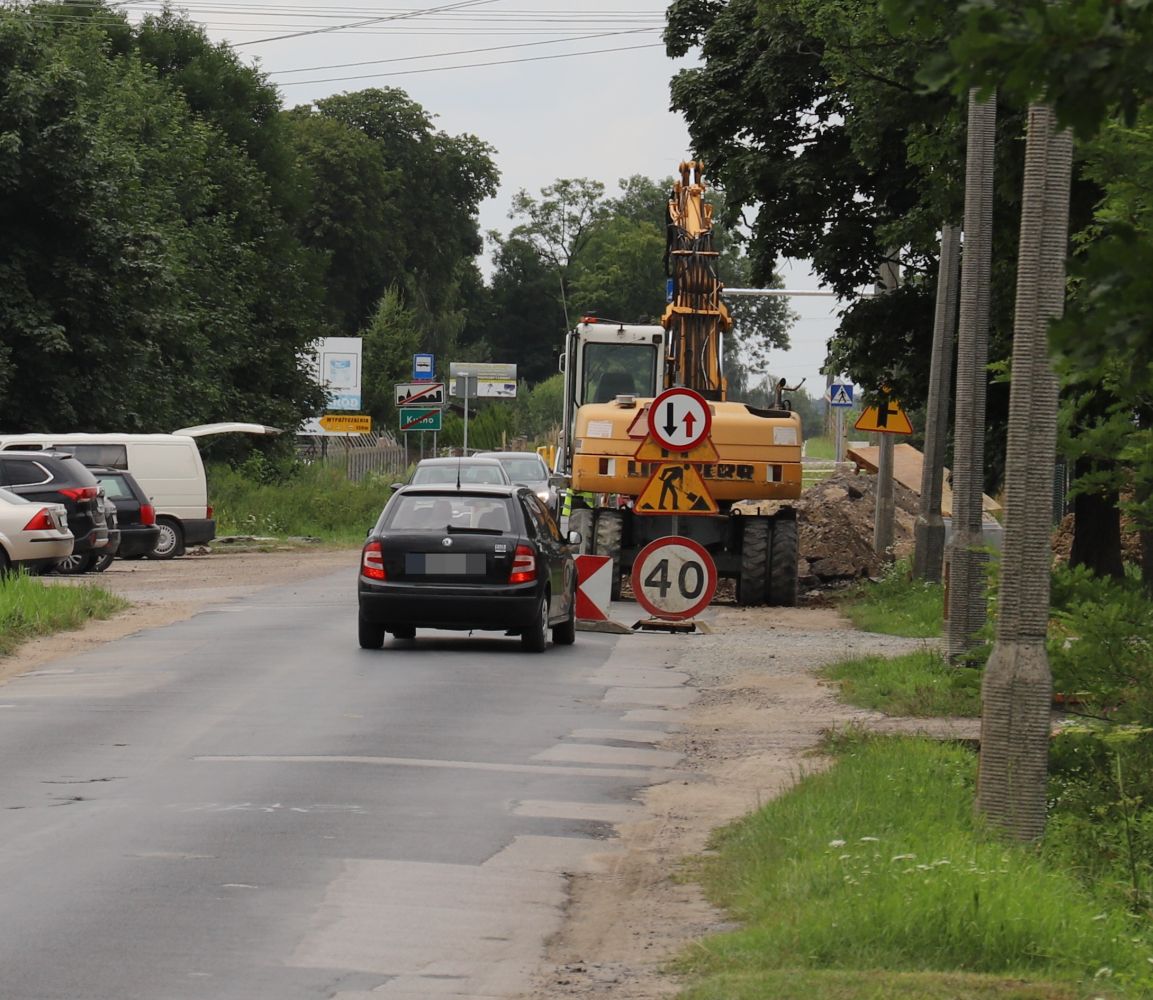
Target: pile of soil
835	519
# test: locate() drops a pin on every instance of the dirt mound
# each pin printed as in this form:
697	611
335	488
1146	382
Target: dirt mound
836	529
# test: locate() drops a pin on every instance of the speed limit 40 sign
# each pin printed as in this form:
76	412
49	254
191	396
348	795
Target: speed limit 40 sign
674	578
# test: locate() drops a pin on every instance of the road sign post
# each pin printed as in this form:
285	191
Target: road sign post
674	578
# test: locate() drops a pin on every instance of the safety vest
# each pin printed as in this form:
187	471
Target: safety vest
590	500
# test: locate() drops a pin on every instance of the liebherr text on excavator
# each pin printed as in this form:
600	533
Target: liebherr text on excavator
613	371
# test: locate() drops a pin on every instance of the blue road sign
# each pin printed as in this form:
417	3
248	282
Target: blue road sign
841	394
423	367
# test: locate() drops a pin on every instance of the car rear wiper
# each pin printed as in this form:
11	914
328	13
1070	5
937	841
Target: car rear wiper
465	530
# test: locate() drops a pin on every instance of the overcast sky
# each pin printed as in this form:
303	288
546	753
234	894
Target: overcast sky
560	88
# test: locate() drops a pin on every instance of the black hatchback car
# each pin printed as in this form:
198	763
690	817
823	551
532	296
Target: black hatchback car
477	557
58	477
134	512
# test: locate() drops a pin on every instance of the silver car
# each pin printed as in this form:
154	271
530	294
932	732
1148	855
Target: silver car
34	534
528	469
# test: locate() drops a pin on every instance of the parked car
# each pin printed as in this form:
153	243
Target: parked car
529	469
466	471
56	477
100	560
136	515
478	557
33	536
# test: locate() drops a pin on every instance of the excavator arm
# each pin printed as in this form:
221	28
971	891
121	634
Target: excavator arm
695	318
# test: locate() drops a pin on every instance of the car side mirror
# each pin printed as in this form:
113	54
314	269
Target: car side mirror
368	534
575	537
396	486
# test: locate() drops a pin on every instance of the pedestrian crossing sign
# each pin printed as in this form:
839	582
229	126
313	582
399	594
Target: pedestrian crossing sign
675	488
841	394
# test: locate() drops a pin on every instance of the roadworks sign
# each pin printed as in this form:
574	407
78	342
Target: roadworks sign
652	451
675	488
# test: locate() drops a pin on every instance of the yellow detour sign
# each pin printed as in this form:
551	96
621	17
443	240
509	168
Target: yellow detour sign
347	423
675	488
888	418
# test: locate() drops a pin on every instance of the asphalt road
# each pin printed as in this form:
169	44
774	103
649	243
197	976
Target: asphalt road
246	805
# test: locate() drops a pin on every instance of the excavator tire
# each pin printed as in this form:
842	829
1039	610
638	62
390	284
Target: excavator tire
581	520
782	565
609	531
754	561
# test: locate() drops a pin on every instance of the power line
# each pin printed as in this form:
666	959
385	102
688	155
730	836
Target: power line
371	20
500	62
460	52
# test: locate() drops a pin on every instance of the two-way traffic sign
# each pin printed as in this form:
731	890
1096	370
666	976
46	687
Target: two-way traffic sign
680	419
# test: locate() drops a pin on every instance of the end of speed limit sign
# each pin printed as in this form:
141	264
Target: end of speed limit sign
674	578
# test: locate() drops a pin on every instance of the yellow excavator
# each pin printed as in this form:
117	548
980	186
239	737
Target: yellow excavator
613	371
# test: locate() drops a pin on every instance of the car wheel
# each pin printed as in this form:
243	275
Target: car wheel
171	540
102	562
534	639
370	634
564	634
5	563
75	564
609	531
404	631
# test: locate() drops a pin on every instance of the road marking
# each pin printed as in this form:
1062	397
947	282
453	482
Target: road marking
464	765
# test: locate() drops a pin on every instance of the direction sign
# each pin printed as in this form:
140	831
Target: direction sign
422	393
888	418
347	423
423	367
413	418
679	419
674	578
841	394
675	488
594	587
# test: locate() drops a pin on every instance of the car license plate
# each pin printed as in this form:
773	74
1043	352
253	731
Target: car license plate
444	563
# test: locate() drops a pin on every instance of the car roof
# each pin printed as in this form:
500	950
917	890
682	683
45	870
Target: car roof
37	453
471	459
498	455
450	490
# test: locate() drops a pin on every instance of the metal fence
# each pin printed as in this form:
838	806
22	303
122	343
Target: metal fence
356	455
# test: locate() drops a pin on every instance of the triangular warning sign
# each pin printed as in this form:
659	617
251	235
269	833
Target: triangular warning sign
651	451
888	418
675	488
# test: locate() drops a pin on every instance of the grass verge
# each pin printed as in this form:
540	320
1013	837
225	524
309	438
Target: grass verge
921	685
896	605
30	608
874	879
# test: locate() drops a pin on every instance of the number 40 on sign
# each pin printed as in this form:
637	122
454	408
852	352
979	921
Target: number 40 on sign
674	578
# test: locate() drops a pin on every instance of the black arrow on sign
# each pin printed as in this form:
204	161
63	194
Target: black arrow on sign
670	424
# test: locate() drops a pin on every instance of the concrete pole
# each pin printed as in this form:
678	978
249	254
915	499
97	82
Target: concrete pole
929	532
965	558
885	512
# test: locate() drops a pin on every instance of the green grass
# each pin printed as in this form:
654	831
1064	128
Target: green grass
896	605
921	685
820	448
312	501
30	608
874	879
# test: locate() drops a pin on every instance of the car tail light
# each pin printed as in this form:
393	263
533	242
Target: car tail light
372	561
523	565
81	492
41	521
148	514
209	512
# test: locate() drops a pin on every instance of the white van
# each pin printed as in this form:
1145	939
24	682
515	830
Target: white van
167	466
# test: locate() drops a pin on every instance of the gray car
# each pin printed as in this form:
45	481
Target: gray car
472	471
528	469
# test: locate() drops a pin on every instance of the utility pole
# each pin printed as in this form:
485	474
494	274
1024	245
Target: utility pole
885	512
929	532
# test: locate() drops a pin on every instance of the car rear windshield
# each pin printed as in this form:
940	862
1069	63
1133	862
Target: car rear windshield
438	513
525	470
116	488
431	475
